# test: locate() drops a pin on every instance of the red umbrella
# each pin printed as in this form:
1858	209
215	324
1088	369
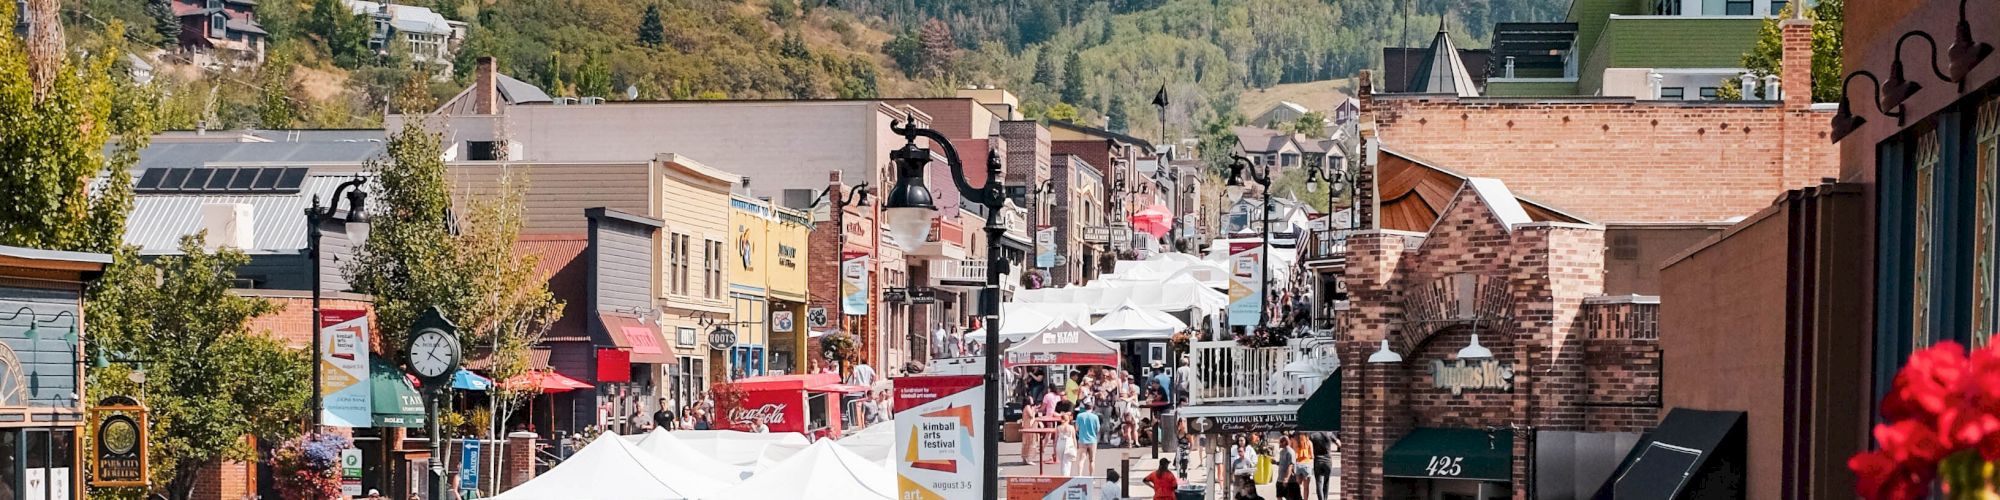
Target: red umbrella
546	381
1155	220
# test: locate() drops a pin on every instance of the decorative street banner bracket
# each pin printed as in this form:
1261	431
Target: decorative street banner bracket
119	456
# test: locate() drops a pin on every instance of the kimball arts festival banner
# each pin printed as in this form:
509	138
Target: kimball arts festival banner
854	284
1246	280
937	436
344	371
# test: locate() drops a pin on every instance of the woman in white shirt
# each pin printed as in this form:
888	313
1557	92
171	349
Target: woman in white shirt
1065	442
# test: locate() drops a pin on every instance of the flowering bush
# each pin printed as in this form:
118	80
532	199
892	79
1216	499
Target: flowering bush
1939	425
1265	337
308	468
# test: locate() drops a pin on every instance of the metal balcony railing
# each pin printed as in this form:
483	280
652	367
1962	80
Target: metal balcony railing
961	270
1226	372
1328	244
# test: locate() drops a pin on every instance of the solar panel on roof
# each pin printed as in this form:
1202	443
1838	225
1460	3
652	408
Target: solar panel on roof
245	178
173	179
269	180
196	178
150	179
220	180
292	179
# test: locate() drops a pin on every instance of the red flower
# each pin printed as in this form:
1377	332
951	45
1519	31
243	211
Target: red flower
1880	477
1928	384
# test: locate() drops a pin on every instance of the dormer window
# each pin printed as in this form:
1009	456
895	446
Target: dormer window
216	25
215	4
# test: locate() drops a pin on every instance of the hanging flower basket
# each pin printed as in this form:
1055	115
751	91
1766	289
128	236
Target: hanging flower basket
1940	429
308	468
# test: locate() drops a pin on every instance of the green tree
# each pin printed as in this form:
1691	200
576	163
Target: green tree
341	31
651	32
210	381
907	51
276	109
783	11
511	308
1312	124
794	46
165	22
53	144
1045	70
1072	86
1766	57
409	260
1114	117
1062	111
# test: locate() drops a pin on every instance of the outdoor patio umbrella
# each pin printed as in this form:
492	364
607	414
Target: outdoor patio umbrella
1154	220
465	380
544	382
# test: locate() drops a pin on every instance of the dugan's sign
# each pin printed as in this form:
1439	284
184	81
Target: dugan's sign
1463	375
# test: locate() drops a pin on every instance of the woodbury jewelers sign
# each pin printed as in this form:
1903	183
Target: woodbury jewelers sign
1462	375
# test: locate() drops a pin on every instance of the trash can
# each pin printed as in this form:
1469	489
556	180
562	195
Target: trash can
1191	492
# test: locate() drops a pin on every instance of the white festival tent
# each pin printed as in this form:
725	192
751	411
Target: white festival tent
1021	320
612	468
1162	268
1131	322
672	450
1181	293
736	448
876	442
823	470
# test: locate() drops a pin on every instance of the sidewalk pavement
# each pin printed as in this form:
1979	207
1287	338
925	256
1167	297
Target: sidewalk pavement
1143	463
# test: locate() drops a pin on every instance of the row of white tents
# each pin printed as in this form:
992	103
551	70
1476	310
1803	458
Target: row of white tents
1148	299
690	465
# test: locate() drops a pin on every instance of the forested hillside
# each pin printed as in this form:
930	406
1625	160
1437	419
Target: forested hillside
1089	60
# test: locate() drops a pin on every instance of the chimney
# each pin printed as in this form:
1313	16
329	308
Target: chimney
485	88
1795	65
1367	86
229	225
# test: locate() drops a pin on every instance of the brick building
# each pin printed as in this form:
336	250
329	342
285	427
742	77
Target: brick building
1811	306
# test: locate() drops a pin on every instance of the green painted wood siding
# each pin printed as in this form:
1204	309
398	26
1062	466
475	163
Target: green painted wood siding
1667	42
1496	88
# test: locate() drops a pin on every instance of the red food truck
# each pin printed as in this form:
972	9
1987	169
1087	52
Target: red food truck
808	404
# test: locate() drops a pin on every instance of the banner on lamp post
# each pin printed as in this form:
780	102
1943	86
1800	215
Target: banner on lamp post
854	284
1045	240
343	382
939	445
1246	282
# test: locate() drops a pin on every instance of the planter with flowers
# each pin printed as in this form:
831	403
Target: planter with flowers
1940	429
308	468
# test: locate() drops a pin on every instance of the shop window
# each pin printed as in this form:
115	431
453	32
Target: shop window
1738	7
1708	93
1925	232
1673	93
1986	166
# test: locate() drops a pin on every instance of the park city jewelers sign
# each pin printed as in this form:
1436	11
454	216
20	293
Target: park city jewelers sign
1462	375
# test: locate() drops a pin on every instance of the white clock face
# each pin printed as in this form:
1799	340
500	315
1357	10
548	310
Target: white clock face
433	353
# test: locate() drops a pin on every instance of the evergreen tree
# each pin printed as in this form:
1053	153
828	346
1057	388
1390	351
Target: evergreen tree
907	51
794	46
165	22
1115	116
651	32
1045	69
1072	87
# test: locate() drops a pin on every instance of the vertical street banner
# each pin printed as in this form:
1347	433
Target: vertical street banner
343	363
1246	282
854	284
1045	241
938	441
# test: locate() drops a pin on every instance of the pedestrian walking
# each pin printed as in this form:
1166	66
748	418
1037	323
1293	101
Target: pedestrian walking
1163	481
1065	440
863	375
1086	437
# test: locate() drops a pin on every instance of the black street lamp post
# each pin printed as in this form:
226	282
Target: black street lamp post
908	211
1237	166
356	220
1337	184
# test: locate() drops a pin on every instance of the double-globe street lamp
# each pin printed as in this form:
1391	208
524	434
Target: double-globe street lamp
908	210
1237	166
355	221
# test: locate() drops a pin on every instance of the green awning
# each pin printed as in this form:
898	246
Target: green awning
395	402
1469	454
1321	411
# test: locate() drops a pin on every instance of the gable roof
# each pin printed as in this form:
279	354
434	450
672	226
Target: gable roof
1441	71
510	90
1413	193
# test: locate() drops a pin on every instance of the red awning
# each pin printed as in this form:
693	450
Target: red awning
641	339
545	381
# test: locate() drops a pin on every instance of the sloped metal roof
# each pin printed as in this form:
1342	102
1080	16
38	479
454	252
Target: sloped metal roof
1441	71
278	221
196	154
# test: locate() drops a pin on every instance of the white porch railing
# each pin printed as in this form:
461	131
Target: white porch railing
959	270
1226	372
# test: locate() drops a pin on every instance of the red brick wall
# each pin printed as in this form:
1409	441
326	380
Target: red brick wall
293	320
1550	269
1611	160
230	480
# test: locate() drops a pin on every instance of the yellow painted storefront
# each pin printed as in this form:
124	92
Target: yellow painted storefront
787	274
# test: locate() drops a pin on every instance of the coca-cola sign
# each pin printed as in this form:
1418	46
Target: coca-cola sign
770	414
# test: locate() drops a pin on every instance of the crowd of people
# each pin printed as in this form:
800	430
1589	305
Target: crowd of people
1301	461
